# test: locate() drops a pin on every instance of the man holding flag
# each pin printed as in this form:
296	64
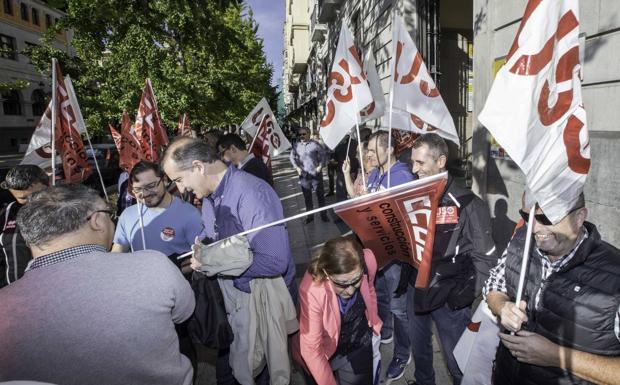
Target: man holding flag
568	324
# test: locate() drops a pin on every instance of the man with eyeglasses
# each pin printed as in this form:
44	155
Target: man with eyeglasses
168	224
82	315
568	324
235	201
308	158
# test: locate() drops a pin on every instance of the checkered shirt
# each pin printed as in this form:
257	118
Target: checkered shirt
63	255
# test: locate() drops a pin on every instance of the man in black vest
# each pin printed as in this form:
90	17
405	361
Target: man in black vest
463	254
567	326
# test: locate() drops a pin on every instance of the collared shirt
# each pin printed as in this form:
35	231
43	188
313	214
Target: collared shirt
242	202
308	156
497	275
63	255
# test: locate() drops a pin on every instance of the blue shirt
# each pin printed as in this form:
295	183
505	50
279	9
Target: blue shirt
242	202
170	230
399	174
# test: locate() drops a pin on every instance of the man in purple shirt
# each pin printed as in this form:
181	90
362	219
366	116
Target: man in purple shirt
308	158
240	202
391	297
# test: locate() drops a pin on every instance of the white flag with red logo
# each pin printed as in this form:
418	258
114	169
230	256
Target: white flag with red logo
414	90
348	92
376	108
277	141
261	145
534	109
149	129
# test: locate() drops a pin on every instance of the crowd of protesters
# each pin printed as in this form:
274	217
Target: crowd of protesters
89	298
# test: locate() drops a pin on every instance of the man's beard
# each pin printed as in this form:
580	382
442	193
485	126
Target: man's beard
161	198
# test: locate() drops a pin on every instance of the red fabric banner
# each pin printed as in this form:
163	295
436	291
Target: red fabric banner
149	129
184	128
403	140
130	151
399	223
67	139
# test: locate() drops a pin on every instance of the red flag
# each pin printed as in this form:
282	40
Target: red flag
117	137
129	149
149	129
67	139
184	128
403	140
261	144
399	223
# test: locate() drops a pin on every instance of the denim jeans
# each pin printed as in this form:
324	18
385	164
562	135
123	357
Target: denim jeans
450	326
393	309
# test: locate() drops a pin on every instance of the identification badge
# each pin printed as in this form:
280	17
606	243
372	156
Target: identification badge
447	215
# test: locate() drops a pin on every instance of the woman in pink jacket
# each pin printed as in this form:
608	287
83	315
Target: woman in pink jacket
339	323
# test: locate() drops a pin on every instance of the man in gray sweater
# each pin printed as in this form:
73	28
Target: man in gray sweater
81	315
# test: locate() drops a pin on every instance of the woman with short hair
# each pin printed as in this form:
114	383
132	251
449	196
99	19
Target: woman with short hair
339	323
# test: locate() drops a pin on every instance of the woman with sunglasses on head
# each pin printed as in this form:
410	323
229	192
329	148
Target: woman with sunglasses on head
339	324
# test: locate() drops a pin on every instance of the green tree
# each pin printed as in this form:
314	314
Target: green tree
203	57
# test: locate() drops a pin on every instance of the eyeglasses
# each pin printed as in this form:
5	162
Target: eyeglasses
111	213
542	218
346	285
148	187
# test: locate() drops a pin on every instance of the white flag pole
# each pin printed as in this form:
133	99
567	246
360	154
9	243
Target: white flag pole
357	116
97	167
394	43
141	225
526	255
54	80
257	132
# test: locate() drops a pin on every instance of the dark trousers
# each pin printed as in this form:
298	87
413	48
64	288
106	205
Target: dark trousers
354	369
331	172
341	187
320	195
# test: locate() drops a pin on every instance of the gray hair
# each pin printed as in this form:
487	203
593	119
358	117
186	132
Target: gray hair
24	176
183	151
55	211
435	143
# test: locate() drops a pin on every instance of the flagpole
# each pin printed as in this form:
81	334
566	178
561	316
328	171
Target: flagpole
429	179
92	150
54	80
526	256
394	42
257	132
141	225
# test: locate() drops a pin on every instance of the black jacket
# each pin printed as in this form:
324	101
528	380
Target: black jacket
463	251
259	169
577	306
15	253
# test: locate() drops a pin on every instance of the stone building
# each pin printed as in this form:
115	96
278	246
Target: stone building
22	23
463	43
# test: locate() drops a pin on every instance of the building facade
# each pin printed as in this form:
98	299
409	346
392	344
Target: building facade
463	43
22	23
497	178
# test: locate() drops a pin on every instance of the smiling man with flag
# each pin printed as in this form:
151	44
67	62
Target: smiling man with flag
568	324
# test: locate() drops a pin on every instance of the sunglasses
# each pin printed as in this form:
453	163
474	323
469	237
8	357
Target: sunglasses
346	285
542	218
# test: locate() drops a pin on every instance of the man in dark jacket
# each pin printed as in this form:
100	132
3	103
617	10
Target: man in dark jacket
21	181
233	149
568	324
463	254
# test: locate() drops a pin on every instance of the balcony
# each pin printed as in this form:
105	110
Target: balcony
328	10
317	30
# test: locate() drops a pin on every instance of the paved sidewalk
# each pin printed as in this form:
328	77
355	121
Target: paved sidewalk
305	240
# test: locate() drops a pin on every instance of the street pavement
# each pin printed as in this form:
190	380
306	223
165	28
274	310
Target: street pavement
306	240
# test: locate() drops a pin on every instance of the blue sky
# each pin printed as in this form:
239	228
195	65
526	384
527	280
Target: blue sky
269	15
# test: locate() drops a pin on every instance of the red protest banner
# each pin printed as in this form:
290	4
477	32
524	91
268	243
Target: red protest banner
130	151
149	130
261	145
67	139
399	223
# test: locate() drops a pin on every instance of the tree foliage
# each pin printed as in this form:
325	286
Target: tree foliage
203	57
